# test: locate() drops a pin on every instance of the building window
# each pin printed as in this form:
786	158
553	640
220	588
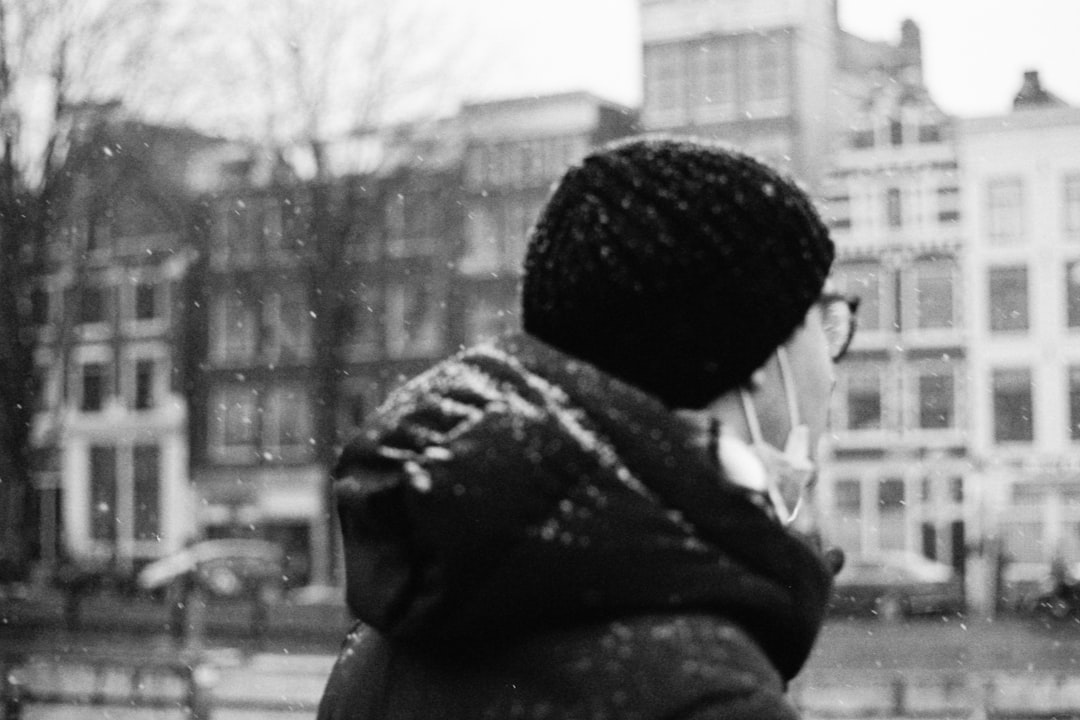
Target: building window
867	281
236	227
862	397
891	494
1005	210
948	204
891	515
93	307
930	133
414	318
713	77
838	212
146	301
1072	206
1072	293
767	72
862	138
665	76
1008	299
476	159
95	377
481	241
44	386
146	492
237	326
134	216
1074	403
956	489
287	429
411	217
937	400
894	214
103	515
288	325
896	132
933	303
233	419
144	384
1013	412
100	235
848	494
272	223
364	331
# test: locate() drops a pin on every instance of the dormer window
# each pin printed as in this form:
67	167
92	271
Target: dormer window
930	133
896	132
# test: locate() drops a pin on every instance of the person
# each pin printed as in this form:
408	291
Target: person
595	517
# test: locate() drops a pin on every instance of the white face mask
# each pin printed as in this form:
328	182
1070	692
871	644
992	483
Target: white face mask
783	476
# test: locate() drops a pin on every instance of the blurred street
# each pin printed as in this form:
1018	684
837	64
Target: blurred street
857	664
1009	643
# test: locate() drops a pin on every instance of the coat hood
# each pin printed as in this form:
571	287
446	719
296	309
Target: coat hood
513	487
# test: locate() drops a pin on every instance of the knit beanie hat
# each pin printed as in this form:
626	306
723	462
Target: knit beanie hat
678	266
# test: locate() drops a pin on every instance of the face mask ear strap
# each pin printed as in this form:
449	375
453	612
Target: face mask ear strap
787	378
751	416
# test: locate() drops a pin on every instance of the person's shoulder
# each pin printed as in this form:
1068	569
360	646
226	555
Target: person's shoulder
687	666
441	406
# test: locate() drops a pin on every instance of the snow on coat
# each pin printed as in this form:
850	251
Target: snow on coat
525	536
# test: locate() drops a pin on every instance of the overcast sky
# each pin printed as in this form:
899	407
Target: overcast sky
974	51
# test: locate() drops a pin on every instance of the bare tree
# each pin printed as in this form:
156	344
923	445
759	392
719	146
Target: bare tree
62	63
300	75
332	88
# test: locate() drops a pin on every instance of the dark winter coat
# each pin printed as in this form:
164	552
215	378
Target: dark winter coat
526	537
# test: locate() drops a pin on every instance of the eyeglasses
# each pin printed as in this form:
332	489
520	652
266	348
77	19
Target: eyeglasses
838	320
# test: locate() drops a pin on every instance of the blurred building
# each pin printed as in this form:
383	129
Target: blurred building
213	327
110	311
514	151
851	118
309	326
776	78
1021	198
315	299
900	457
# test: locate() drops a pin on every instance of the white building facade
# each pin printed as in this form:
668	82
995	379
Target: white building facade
1022	282
899	468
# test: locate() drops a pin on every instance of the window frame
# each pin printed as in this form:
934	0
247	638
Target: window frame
894	208
1005	211
223	400
714	79
997	375
862	371
1070	206
282	405
665	81
935	369
232	343
943	270
997	316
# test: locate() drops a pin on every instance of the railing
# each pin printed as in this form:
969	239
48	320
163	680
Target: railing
159	684
184	686
187	687
926	695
